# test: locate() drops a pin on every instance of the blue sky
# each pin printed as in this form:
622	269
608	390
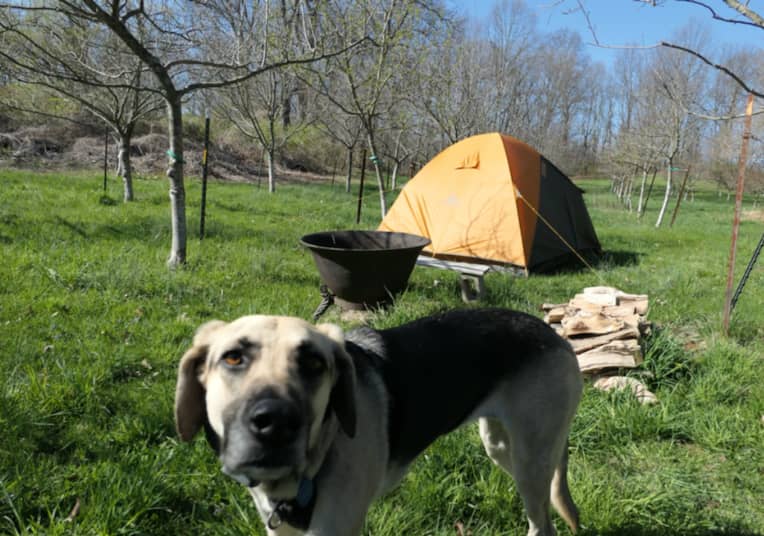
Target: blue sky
624	22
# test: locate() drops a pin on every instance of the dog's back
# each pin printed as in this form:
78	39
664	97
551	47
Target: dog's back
439	369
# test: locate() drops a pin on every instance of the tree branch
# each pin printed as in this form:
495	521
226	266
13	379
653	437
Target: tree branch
746	11
277	65
715	65
10	106
732	3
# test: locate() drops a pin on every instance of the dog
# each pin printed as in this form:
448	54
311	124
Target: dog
317	423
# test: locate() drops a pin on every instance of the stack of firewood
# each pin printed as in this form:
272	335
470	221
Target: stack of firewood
604	325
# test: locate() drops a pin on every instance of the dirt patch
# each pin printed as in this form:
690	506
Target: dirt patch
752	215
60	147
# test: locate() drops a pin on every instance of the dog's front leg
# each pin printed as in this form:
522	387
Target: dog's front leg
338	516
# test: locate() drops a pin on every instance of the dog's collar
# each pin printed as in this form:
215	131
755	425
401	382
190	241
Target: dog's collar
296	512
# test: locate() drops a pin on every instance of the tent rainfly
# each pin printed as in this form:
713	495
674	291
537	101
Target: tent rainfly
492	199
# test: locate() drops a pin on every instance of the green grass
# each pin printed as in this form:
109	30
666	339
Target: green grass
92	326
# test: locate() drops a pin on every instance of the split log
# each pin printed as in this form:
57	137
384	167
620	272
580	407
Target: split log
550	306
590	324
555	315
620	310
603	326
632	320
612	291
640	306
580	303
598	298
589	343
614	354
623	383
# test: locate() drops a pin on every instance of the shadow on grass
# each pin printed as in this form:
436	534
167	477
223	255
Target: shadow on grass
572	264
617	258
77	229
158	228
633	530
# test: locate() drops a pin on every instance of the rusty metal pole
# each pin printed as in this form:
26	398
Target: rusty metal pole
736	220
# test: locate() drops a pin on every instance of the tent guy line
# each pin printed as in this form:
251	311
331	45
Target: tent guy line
557	233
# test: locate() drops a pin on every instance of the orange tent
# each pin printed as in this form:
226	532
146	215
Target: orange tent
493	199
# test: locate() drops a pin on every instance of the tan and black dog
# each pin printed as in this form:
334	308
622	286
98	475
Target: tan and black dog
318	423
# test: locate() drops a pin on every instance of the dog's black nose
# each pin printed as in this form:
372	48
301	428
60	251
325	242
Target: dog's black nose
274	421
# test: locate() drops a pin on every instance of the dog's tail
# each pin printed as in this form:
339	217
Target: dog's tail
560	494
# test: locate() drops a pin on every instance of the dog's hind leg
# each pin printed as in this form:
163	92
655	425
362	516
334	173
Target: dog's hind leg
525	430
560	493
496	442
532	478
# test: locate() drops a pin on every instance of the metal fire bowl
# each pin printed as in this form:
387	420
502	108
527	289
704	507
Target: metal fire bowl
364	269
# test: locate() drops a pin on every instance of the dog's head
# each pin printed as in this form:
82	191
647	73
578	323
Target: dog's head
264	386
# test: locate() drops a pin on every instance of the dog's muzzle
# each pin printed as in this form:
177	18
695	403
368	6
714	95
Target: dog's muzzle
273	422
262	440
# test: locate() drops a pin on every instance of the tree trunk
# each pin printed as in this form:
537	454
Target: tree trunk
666	195
124	167
177	189
378	173
640	207
269	158
349	173
394	178
286	111
649	192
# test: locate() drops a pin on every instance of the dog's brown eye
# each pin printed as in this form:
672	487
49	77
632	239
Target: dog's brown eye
233	358
312	363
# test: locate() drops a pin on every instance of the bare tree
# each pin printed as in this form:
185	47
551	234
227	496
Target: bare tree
85	64
681	82
397	143
257	108
750	17
345	129
185	56
725	98
358	84
448	87
512	69
745	16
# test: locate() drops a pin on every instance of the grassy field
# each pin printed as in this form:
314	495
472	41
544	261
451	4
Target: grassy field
92	326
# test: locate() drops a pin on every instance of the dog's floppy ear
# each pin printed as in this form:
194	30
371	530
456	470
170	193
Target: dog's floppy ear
342	398
190	407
